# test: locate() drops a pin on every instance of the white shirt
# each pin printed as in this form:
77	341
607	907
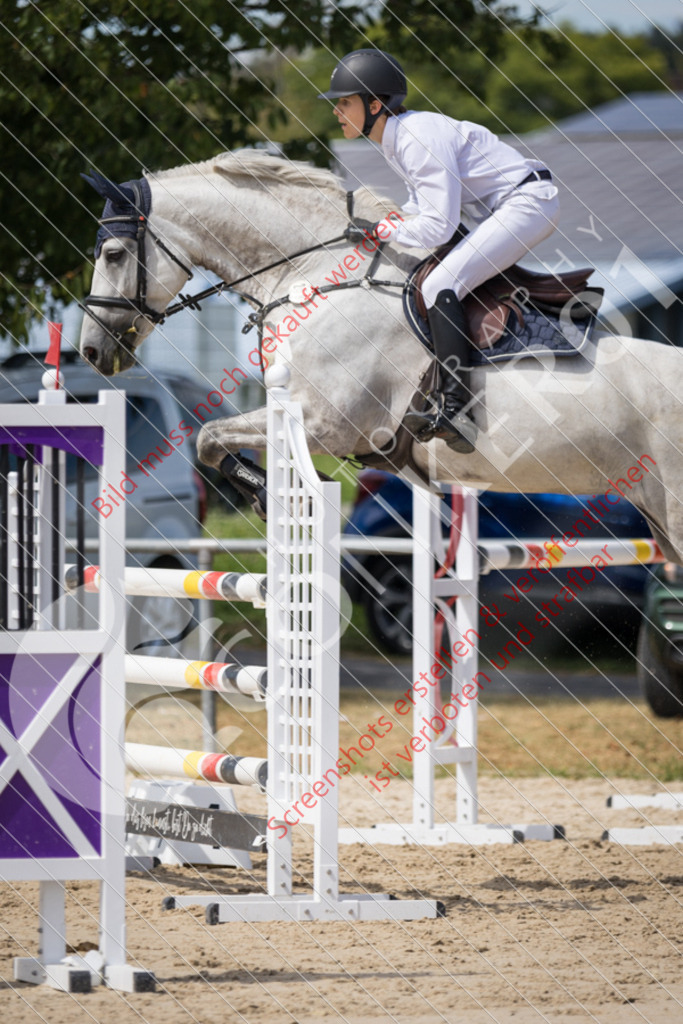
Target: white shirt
450	167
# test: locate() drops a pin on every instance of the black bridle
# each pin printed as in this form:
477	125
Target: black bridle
139	303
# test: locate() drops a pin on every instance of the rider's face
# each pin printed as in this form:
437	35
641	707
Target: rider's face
350	112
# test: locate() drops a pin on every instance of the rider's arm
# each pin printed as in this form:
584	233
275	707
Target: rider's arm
430	166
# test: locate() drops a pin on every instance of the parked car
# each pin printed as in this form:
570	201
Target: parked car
660	642
383	584
167	499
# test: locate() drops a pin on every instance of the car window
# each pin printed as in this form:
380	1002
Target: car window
145	429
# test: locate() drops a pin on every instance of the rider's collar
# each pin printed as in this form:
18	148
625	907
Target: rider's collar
389	136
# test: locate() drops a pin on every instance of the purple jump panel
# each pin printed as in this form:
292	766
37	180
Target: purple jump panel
87	442
50	756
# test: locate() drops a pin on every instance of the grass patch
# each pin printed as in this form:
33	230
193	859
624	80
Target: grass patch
516	739
578	739
239	616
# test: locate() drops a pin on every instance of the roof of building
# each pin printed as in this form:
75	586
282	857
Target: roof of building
640	113
614	192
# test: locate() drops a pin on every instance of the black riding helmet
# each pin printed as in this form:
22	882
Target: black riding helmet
369	73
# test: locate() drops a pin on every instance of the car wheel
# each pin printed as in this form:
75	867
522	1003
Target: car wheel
157	626
661	685
388	604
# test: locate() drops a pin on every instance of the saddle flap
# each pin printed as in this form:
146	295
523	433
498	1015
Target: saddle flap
488	315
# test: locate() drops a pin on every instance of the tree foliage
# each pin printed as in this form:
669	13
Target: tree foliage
538	79
120	86
528	91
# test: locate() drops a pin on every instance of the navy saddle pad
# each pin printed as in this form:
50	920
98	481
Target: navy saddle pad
541	333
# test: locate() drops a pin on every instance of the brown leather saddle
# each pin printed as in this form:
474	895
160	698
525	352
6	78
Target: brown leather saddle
489	307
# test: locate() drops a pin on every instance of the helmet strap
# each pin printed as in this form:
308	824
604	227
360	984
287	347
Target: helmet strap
370	118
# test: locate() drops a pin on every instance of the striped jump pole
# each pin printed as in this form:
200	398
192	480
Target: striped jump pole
560	553
196	764
214	586
221	677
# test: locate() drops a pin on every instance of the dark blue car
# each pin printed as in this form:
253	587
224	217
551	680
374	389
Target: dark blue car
382	583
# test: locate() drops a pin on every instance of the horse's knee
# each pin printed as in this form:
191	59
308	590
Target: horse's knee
211	444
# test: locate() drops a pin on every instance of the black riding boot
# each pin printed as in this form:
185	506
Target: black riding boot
452	350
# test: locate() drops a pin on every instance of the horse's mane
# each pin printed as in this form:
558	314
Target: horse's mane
259	166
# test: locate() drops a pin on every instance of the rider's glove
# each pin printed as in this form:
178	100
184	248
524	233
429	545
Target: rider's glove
360	229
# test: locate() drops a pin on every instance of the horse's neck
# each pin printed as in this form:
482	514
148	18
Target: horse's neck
232	231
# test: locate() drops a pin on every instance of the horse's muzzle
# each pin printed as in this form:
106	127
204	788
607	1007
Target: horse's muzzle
108	359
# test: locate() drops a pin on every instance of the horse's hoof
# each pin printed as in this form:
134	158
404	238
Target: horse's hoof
258	505
248	479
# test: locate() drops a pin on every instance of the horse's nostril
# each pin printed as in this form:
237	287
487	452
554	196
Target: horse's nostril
90	354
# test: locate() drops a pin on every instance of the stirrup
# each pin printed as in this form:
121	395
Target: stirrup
458	431
421	424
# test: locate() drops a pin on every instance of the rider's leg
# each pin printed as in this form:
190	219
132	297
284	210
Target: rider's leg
527	217
452	350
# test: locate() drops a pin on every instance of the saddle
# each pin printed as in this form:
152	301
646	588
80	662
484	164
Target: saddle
488	307
534	300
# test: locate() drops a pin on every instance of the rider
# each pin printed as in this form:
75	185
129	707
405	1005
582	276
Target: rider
446	164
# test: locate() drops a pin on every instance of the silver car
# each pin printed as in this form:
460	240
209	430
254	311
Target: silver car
162	493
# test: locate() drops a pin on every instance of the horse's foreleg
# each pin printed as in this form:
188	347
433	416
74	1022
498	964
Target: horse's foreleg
216	439
217	445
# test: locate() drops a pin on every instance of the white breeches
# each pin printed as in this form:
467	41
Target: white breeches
526	217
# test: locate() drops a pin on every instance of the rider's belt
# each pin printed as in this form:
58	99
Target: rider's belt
536	176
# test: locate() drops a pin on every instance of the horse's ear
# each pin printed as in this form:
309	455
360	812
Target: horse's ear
108	189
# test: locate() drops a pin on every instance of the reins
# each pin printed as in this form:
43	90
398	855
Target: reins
139	303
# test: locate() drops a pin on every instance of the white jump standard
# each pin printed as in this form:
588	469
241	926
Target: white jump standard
457	743
645	835
302	698
301	598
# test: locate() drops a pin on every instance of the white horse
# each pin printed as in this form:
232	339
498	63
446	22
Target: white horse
608	420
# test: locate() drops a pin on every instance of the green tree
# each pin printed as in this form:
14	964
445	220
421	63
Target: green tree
537	80
120	86
670	45
447	50
527	91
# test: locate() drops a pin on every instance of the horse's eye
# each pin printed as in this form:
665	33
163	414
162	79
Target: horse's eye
113	255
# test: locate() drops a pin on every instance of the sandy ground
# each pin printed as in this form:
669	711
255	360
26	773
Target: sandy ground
581	930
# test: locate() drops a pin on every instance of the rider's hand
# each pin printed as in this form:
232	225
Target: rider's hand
359	230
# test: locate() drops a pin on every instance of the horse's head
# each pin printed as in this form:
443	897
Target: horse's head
136	276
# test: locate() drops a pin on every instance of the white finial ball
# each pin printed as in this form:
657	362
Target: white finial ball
51	380
276	376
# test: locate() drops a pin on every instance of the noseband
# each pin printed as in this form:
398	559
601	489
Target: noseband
139	303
